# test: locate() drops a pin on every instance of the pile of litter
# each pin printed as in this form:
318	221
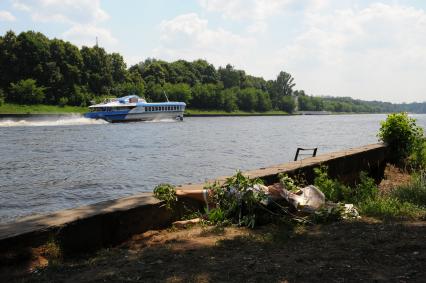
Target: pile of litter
245	202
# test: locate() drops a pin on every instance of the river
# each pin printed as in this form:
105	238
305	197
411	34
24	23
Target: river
49	165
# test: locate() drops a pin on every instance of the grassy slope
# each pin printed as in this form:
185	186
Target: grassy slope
39	109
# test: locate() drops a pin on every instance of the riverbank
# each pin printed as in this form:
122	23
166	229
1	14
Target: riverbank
40	109
366	249
17	110
8	108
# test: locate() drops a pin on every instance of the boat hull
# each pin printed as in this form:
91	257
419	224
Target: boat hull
120	116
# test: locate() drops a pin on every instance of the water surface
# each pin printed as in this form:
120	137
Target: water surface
51	165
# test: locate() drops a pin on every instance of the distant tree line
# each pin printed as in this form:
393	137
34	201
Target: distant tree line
37	70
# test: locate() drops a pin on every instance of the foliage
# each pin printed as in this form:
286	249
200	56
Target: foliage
237	201
2	96
333	190
63	101
401	133
417	158
26	92
287	182
81	75
287	104
328	214
166	193
366	189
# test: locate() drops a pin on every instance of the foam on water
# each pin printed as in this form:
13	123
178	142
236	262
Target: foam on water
57	121
164	120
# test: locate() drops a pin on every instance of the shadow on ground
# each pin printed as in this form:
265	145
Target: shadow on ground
339	252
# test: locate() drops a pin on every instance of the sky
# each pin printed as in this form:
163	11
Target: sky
371	50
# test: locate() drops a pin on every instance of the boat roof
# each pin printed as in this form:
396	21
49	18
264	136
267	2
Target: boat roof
125	101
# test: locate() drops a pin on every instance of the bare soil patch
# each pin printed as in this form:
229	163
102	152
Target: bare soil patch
394	177
366	250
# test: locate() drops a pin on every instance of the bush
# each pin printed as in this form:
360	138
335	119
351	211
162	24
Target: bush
333	190
166	193
236	201
401	133
366	189
26	92
63	101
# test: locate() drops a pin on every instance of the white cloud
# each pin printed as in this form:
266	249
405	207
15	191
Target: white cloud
7	16
256	11
87	34
377	51
245	9
64	11
189	37
82	16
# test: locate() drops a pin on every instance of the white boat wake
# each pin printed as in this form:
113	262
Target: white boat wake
73	120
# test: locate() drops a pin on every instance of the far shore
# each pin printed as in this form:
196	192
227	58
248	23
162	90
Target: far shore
15	110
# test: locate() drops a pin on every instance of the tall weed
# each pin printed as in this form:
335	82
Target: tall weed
414	192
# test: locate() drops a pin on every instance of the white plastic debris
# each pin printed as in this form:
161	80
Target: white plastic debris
350	212
308	199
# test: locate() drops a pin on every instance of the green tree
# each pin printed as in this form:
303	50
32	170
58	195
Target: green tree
154	73
178	92
97	70
119	69
282	86
207	96
263	101
2	97
247	99
207	72
229	76
229	99
287	104
129	88
26	92
8	59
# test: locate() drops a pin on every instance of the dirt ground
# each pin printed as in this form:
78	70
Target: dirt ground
366	250
394	177
349	251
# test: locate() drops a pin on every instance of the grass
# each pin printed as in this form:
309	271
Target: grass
8	108
414	192
405	201
387	208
